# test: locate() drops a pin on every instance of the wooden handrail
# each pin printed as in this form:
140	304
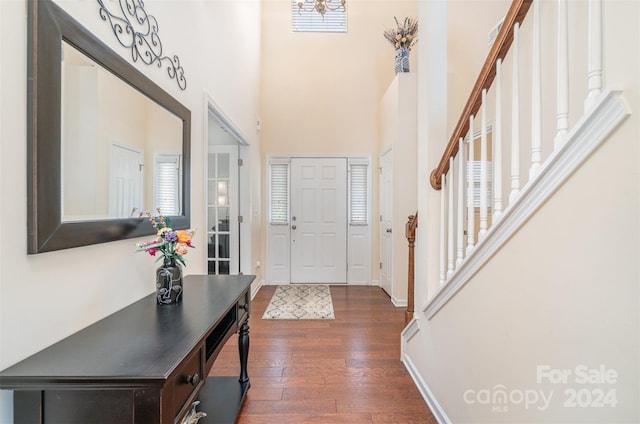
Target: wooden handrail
410	229
516	14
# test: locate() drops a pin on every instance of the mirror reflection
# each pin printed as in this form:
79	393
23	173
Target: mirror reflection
121	151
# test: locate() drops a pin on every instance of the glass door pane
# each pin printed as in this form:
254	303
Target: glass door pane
222	210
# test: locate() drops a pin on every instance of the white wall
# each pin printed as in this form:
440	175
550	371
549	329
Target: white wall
563	292
49	296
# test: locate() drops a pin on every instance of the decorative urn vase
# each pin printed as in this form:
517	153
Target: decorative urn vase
402	60
169	282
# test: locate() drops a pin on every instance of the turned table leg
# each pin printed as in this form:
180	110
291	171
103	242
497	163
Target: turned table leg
243	349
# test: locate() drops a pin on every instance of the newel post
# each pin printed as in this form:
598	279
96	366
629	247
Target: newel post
410	230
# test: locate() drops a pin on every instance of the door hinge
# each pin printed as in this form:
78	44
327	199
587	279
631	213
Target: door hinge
240	162
380	265
240	219
380	218
380	170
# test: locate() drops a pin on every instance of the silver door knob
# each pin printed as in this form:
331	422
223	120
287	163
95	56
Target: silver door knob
293	227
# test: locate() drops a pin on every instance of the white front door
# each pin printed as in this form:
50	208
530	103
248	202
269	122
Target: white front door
386	219
125	181
318	220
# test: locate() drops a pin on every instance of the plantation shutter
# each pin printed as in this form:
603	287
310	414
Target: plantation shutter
358	194
473	169
312	21
167	183
279	183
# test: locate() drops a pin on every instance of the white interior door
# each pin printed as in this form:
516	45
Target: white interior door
318	220
386	219
125	181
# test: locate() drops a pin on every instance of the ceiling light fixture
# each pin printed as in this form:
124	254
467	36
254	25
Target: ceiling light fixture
321	6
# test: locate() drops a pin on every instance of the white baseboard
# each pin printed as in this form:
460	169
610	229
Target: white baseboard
426	393
255	288
400	303
375	283
407	334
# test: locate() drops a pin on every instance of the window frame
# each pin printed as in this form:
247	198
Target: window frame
175	158
312	21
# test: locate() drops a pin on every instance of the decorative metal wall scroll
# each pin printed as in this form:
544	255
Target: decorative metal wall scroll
138	31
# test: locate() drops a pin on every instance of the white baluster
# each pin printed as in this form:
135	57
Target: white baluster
515	117
484	189
461	202
562	85
443	235
497	148
536	95
450	241
594	54
471	208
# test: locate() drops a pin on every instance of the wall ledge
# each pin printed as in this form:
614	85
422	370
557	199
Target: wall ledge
410	330
590	131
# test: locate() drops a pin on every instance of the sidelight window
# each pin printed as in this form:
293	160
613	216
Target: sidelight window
167	183
279	193
358	194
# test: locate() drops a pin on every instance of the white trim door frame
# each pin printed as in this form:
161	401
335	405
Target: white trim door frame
386	221
244	181
357	246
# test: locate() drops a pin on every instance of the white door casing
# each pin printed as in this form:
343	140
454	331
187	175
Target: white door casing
318	220
386	220
216	119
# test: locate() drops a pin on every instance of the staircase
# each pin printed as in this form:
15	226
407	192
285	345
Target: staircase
538	226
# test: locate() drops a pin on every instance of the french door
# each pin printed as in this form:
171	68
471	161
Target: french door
222	210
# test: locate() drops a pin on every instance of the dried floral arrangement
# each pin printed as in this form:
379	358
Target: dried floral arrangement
405	35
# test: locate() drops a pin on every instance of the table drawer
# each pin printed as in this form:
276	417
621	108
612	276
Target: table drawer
189	378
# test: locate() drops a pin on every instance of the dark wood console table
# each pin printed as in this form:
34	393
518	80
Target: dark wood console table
145	364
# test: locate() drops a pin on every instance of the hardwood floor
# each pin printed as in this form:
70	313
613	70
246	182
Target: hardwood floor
346	370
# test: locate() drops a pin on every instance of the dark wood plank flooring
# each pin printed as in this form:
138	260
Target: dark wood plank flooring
346	370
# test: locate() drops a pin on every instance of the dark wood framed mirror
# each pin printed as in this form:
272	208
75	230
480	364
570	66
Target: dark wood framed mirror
54	220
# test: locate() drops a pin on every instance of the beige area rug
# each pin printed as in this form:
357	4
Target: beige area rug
298	301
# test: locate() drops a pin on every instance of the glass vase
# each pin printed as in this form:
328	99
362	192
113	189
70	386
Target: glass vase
169	282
